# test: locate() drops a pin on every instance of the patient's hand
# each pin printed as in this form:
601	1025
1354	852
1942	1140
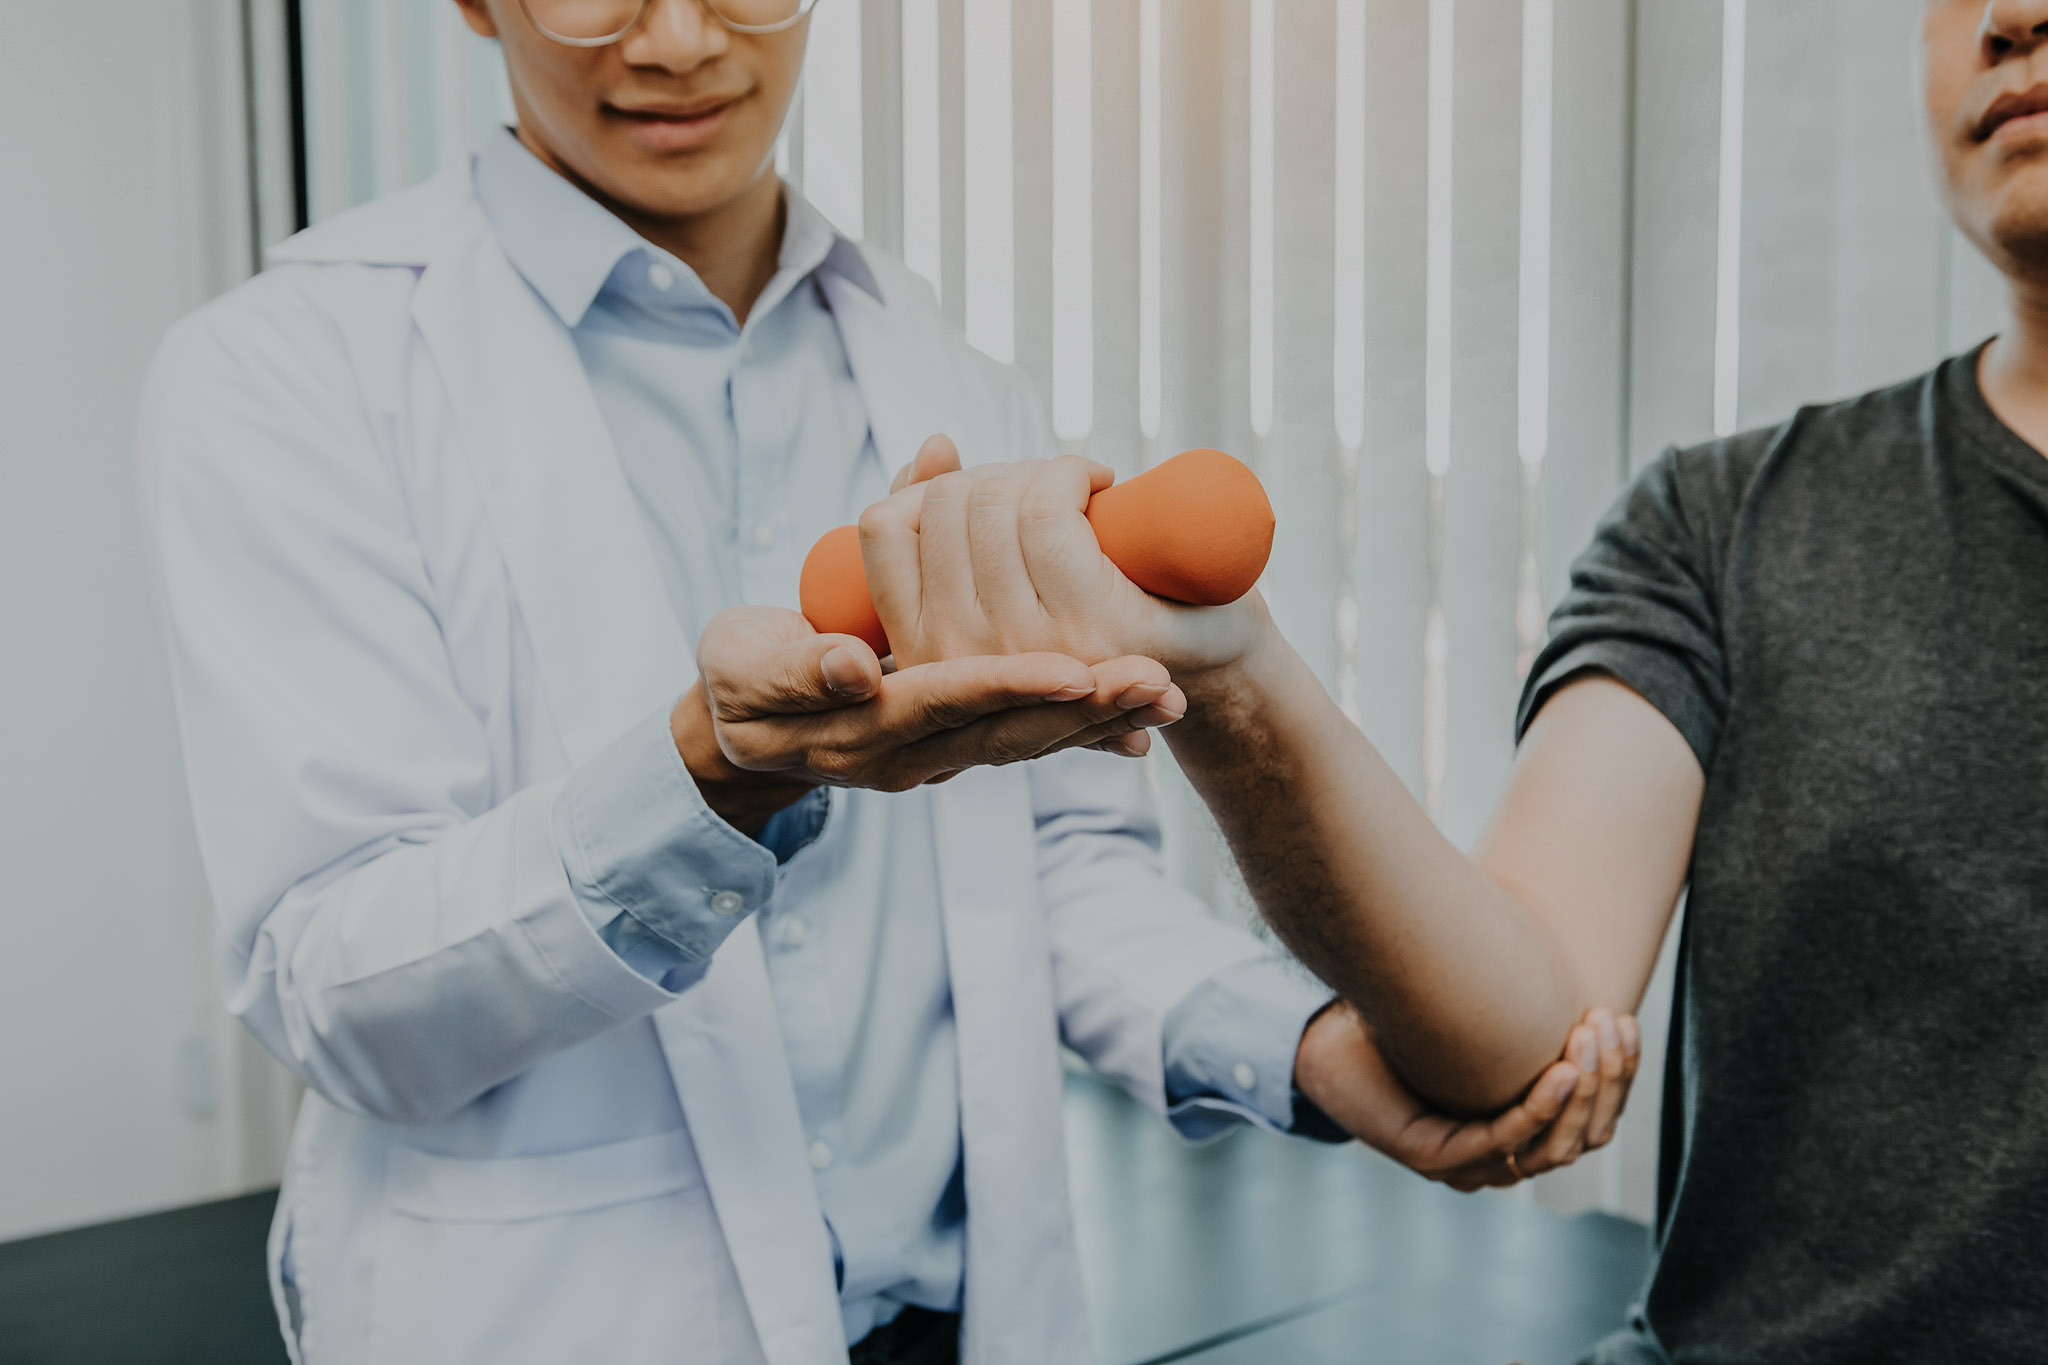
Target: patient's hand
1571	1110
1000	559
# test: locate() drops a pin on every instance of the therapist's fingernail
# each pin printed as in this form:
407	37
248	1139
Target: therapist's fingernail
1140	694
1631	1037
1586	1055
1156	717
1072	692
1610	1036
844	673
1562	1091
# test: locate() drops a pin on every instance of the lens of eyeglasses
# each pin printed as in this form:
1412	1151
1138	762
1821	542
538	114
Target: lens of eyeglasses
584	20
758	13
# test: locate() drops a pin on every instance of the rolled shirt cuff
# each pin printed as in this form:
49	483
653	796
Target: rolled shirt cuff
661	877
1230	1049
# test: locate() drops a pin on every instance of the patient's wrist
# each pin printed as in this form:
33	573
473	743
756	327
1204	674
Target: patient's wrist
1244	682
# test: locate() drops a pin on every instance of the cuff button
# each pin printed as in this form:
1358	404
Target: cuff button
1246	1078
728	903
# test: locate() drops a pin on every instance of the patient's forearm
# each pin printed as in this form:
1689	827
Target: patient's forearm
1470	994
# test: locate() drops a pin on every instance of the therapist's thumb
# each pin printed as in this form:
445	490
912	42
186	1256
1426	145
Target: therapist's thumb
767	661
824	672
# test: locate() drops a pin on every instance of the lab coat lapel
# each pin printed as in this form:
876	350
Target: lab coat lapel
899	370
610	651
724	1049
1025	1300
608	645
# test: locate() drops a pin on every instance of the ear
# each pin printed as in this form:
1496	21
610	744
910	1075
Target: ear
477	15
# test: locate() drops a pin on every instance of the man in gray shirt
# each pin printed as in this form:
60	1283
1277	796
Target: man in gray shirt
1801	672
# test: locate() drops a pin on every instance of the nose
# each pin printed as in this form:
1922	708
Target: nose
680	35
2013	28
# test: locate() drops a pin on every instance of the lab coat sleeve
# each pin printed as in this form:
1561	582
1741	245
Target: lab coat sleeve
662	878
402	940
1130	949
1230	1048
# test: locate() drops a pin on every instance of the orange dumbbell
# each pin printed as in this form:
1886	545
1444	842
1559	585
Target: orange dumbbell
1197	528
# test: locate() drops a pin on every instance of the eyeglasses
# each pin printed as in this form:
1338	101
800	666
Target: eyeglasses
594	23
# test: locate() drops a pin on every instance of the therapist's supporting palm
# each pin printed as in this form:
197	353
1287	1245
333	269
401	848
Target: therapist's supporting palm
1001	559
779	709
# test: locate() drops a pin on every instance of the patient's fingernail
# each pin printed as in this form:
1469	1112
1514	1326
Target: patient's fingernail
1610	1036
1140	694
1072	692
843	672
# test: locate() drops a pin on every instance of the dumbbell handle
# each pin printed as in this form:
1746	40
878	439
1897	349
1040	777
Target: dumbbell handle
1196	528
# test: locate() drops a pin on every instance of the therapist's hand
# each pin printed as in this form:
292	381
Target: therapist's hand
1571	1110
779	709
1000	559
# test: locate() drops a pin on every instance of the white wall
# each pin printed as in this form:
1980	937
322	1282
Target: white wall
123	1085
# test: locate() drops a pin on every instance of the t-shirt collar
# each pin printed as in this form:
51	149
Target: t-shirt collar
566	244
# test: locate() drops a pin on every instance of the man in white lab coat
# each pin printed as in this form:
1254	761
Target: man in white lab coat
645	1029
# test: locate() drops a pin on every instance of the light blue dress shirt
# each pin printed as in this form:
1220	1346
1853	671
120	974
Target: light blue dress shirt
741	444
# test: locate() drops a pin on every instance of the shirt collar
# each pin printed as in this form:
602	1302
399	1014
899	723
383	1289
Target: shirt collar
567	245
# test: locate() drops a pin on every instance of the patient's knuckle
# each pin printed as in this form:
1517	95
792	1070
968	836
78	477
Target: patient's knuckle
877	519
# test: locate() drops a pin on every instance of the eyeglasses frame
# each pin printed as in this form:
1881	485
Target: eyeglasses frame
804	8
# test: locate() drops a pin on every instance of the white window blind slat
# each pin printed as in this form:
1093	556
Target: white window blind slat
1728	230
923	232
991	215
834	146
1073	244
1301	460
1483	485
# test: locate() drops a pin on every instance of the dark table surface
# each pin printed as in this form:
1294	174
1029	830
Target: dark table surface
1255	1250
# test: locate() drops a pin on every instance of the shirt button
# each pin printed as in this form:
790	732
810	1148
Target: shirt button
661	277
794	932
728	903
764	536
1246	1078
821	1155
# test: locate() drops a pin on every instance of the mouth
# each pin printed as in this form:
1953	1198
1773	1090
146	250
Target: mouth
676	126
2020	110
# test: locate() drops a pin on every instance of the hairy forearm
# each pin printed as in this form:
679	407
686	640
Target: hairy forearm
1470	995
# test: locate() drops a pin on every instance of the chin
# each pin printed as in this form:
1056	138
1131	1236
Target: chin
685	186
2016	227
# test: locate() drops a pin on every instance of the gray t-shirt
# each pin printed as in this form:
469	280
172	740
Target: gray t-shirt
1847	619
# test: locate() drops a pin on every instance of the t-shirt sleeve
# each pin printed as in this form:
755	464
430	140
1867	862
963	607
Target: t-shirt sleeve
1642	609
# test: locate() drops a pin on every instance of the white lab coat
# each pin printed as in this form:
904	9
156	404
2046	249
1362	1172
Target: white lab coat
406	591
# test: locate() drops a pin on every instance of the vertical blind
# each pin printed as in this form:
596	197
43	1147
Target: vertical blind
1443	272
